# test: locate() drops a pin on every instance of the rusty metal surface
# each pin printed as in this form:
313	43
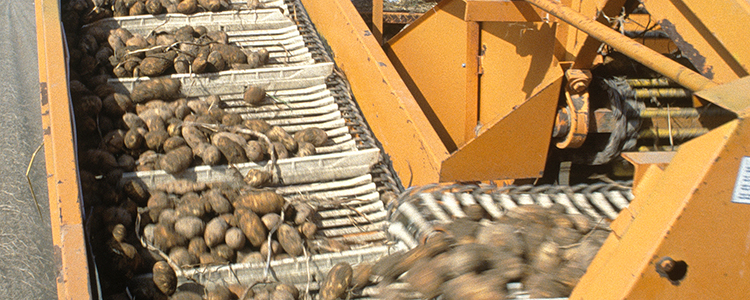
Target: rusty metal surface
392	17
27	262
62	177
698	42
388	106
627	46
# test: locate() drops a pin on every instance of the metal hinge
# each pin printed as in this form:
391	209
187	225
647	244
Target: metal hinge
480	60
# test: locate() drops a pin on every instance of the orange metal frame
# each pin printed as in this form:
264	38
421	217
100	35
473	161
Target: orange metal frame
59	148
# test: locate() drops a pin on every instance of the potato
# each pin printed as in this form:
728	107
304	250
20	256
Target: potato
164	277
224	252
471	286
114	141
189	226
163	88
582	223
234	238
278	134
280	150
166	238
154	7
282	295
565	236
200	64
253	257
138	8
290	240
275	248
312	135
361	275
254	95
198	106
231	119
303	212
215	231
216	62
251	226
155	65
229	218
220	37
263	56
157	202
119	233
197	246
191	209
182	64
308	229
168	217
187	6
186	295
182	257
257	178
257	125
177	160
155	139
261	202
136	190
533	236
231	54
210	154
305	149
174	142
254	151
233	152
142	287
336	282
271	220
506	265
220	292
467	258
547	259
425	278
218	203
502	237
543	285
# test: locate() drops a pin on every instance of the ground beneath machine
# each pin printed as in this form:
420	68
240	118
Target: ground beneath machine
27	264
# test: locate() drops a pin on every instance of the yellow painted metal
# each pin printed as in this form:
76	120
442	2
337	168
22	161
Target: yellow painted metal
377	20
501	11
431	56
514	145
514	65
59	148
390	109
645	160
711	34
651	59
686	213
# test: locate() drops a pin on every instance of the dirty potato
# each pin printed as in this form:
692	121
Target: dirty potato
312	135
164	277
251	226
215	232
336	282
290	240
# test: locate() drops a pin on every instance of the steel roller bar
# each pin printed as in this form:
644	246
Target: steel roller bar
649	82
661	93
650	58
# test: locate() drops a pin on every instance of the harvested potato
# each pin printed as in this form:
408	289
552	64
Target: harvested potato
189	226
210	154
231	54
155	65
197	246
219	204
215	232
163	88
229	218
308	230
305	149
313	135
231	119
155	139
254	151
471	286
361	275
186	295
290	240
291	289
258	125
224	252
157	202
177	160
336	282
277	134
254	95
216	62
210	5
251	226
174	142
275	248
233	152
166	238
257	178
220	292
261	202
137	190
280	150
234	238
133	139
182	257
502	237
138	8
271	220
191	209
425	278
164	277
187	6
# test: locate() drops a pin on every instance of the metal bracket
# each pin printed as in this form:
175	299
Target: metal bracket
480	60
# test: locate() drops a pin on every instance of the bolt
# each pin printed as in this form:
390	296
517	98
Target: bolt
666	264
463	65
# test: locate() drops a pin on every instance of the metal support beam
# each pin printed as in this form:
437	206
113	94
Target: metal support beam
625	45
388	106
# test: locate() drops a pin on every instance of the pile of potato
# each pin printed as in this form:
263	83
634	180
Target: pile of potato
184	50
93	10
473	258
162	285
